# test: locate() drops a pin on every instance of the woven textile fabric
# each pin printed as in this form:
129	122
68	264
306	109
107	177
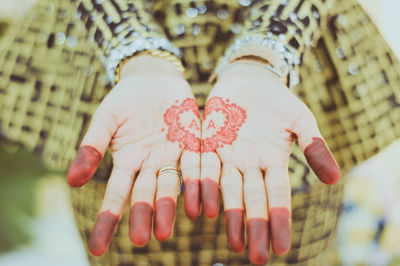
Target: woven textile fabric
51	81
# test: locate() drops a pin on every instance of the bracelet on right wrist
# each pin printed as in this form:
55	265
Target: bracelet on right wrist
282	58
254	58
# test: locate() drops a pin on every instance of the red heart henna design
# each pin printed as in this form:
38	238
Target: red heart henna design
234	117
179	130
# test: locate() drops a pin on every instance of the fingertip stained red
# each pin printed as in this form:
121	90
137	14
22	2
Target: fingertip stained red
234	220
84	166
258	240
322	162
280	229
102	232
210	197
192	198
164	218
140	223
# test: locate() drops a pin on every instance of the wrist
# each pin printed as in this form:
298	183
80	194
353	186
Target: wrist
264	63
148	64
251	69
260	55
283	58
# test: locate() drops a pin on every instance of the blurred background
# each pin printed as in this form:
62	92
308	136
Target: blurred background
43	232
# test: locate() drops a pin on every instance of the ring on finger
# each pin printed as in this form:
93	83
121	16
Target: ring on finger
231	170
168	169
171	169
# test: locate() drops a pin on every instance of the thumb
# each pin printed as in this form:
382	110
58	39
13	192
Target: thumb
92	148
314	147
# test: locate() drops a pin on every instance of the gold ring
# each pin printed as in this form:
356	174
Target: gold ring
171	169
231	170
168	169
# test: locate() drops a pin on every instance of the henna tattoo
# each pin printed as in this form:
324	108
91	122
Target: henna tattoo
234	220
164	218
194	124
322	162
258	238
84	166
178	131
226	134
102	232
280	229
185	132
211	125
140	223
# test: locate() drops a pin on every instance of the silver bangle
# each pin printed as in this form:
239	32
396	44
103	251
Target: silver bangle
139	44
286	54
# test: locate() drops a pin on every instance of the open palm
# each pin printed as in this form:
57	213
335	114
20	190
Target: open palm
150	120
250	123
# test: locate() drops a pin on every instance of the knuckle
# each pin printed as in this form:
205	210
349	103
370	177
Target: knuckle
253	173
168	187
278	191
190	169
115	198
252	197
212	165
254	193
143	193
231	188
147	171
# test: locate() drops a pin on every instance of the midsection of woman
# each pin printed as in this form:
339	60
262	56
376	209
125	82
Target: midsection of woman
348	83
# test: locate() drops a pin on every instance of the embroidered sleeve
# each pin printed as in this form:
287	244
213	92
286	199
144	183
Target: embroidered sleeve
286	27
121	28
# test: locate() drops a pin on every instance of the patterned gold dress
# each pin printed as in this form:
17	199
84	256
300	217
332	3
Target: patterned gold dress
52	79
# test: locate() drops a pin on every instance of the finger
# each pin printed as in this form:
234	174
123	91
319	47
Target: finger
232	194
255	200
210	172
114	202
167	192
190	168
315	150
278	189
143	194
92	148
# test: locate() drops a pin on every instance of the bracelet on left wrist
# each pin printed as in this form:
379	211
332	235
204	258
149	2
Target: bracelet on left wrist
157	55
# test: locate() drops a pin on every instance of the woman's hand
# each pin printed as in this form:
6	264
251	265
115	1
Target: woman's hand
250	123
150	120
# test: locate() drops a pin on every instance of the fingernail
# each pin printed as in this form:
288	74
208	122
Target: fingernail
210	197
321	161
102	232
234	220
164	218
280	229
258	239
192	198
140	223
84	166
